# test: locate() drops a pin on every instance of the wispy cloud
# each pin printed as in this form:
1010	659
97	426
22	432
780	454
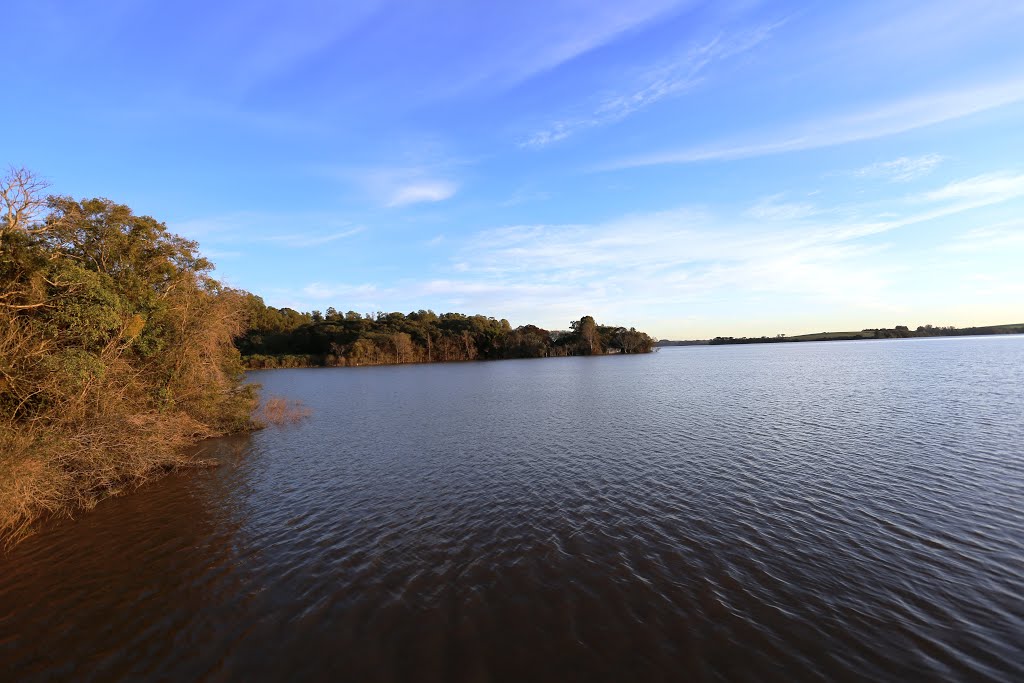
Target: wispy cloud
903	169
989	187
431	178
888	119
695	256
812	256
669	259
337	292
775	209
1002	236
552	34
286	38
951	199
310	239
656	83
422	191
524	195
296	230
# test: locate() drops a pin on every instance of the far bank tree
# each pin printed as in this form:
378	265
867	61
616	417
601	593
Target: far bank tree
286	338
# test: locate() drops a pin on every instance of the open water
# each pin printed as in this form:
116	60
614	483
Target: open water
800	512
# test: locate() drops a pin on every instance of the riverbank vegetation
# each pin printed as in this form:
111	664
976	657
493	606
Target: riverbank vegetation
116	351
286	338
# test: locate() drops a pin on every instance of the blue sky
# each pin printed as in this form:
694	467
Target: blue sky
690	168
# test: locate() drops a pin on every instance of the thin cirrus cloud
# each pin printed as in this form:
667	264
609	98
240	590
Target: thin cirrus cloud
901	170
248	227
355	294
890	119
651	242
637	265
311	239
399	185
958	197
287	39
988	187
668	259
689	255
512	43
421	191
775	209
1001	236
658	82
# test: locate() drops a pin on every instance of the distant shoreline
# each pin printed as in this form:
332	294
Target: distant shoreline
898	332
298	361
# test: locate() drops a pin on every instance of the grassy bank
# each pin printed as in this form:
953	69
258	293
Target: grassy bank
59	474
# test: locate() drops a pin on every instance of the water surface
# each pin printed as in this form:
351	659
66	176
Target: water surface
814	511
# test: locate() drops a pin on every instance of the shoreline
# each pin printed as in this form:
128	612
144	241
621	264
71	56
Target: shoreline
1008	330
432	362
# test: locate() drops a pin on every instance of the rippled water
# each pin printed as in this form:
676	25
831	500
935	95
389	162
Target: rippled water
830	511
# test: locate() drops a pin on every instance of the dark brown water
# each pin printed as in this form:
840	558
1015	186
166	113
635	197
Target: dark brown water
834	511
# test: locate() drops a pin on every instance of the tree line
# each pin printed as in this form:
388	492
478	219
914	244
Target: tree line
287	338
904	332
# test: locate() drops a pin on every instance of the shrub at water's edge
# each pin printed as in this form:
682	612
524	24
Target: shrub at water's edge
281	411
116	351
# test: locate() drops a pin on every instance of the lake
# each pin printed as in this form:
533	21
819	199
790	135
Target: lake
815	511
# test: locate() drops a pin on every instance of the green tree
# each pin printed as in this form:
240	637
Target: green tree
586	332
116	349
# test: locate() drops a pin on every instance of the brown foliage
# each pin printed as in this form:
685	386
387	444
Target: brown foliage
280	411
116	352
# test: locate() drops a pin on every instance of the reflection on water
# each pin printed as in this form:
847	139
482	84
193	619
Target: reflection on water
837	511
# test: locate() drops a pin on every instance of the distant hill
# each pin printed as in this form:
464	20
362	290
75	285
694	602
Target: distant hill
898	332
683	342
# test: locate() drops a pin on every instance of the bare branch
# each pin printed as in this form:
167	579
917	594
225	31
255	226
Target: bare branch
22	198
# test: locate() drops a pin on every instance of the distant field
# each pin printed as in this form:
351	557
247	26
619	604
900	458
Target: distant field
1012	328
824	336
900	332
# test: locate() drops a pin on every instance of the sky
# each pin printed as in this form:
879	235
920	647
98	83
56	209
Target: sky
689	168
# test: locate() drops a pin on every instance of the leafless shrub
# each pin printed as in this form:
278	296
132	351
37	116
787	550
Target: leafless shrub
279	411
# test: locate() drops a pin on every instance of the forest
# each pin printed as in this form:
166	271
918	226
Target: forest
287	338
118	350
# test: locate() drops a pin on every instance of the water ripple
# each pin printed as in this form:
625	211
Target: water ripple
839	511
